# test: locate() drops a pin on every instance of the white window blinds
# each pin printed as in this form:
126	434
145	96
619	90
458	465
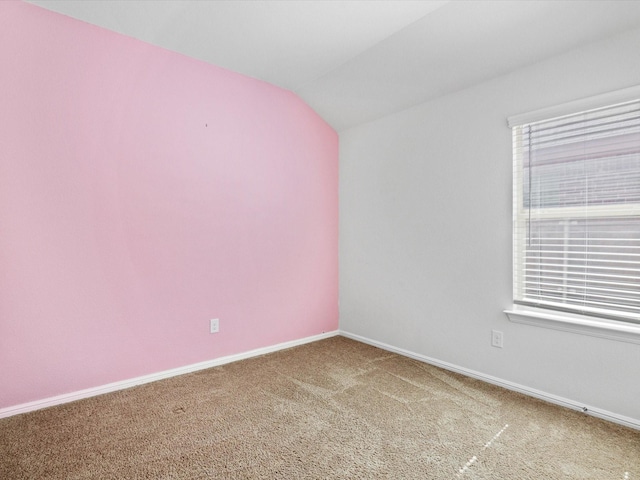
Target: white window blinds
577	212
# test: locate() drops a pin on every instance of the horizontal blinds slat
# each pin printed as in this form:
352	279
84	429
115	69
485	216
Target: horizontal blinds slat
577	262
580	118
627	270
592	307
534	283
580	298
632	279
581	254
600	300
585	117
577	291
621	285
617	121
565	110
606	133
579	295
619	315
576	304
631	294
615	241
554	280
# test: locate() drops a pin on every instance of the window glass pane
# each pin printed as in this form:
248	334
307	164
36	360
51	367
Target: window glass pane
577	213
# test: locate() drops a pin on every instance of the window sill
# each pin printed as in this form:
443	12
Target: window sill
567	322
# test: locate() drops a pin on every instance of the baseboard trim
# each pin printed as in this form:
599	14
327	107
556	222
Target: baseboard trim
154	377
532	392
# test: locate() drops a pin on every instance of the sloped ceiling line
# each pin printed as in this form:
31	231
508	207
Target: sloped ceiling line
357	60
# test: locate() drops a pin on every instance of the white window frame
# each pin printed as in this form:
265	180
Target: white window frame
558	320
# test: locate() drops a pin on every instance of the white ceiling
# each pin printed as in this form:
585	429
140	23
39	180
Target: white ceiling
357	60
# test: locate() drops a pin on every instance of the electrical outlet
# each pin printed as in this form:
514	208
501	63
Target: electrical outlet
496	338
214	325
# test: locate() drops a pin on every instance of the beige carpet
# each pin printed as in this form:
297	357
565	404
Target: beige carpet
331	409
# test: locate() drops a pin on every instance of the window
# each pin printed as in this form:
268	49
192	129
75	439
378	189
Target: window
577	212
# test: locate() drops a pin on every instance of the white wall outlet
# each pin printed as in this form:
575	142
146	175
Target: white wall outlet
214	325
496	338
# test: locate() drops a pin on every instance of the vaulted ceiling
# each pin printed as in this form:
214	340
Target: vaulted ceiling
357	60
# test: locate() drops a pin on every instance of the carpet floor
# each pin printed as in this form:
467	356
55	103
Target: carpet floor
333	409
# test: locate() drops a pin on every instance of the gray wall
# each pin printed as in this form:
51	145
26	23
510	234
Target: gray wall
425	233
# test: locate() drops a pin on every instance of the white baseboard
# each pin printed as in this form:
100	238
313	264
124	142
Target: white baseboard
532	392
112	387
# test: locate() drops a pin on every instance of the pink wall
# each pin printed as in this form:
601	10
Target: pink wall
143	193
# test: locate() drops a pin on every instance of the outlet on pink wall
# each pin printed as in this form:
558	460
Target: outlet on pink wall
143	193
